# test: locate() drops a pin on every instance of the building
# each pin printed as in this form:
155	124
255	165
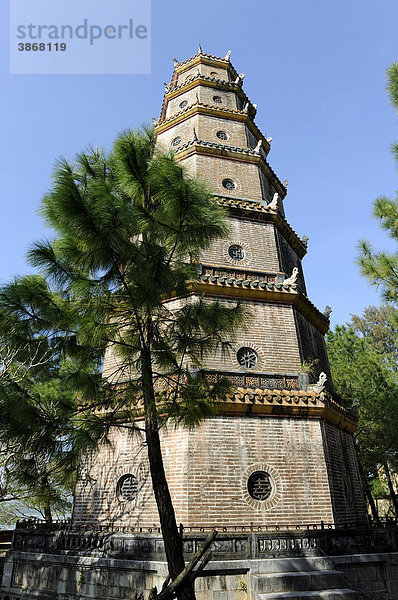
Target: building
280	451
275	471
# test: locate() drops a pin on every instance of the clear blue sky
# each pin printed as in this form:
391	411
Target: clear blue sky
315	68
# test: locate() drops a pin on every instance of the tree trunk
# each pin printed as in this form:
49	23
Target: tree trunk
368	492
393	495
173	542
47	514
47	507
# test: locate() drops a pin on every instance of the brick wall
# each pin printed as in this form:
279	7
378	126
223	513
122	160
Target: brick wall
346	489
205	95
206	127
207	470
257	241
208	70
245	175
269	328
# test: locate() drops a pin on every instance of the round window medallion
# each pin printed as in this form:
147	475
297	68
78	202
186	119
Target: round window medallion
259	485
213	74
228	184
176	141
127	488
247	357
217	99
222	135
184	103
236	252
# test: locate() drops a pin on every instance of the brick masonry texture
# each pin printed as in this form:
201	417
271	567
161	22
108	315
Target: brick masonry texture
269	329
206	127
204	95
207	470
215	169
346	490
258	243
209	71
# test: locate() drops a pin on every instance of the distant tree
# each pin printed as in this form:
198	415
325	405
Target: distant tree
129	229
379	325
381	268
362	373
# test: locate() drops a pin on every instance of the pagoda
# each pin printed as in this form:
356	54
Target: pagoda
280	450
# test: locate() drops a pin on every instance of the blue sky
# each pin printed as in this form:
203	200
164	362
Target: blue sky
316	70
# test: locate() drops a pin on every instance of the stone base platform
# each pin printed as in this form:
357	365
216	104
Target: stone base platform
314	564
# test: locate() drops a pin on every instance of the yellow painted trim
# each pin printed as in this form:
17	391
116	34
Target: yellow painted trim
282	404
334	415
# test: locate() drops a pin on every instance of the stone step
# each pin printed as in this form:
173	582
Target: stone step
298	581
331	594
287	565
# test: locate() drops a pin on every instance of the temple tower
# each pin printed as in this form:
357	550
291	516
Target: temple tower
281	450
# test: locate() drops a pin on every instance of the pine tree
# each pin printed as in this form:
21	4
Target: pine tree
129	229
381	268
39	438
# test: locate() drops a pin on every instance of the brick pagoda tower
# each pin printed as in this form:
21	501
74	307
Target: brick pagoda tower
280	450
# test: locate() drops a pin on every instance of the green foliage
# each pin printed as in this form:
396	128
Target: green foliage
38	404
379	325
361	373
379	488
381	268
129	227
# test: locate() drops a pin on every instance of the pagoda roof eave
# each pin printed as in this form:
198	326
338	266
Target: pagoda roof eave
215	111
257	291
289	403
252	209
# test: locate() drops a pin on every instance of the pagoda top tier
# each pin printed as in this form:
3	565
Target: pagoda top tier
213	72
206	59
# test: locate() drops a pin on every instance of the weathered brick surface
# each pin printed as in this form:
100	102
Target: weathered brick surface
245	175
346	490
269	329
207	470
206	127
208	70
257	241
204	95
313	348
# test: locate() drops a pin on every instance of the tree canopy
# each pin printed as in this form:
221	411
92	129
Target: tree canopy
129	227
380	267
